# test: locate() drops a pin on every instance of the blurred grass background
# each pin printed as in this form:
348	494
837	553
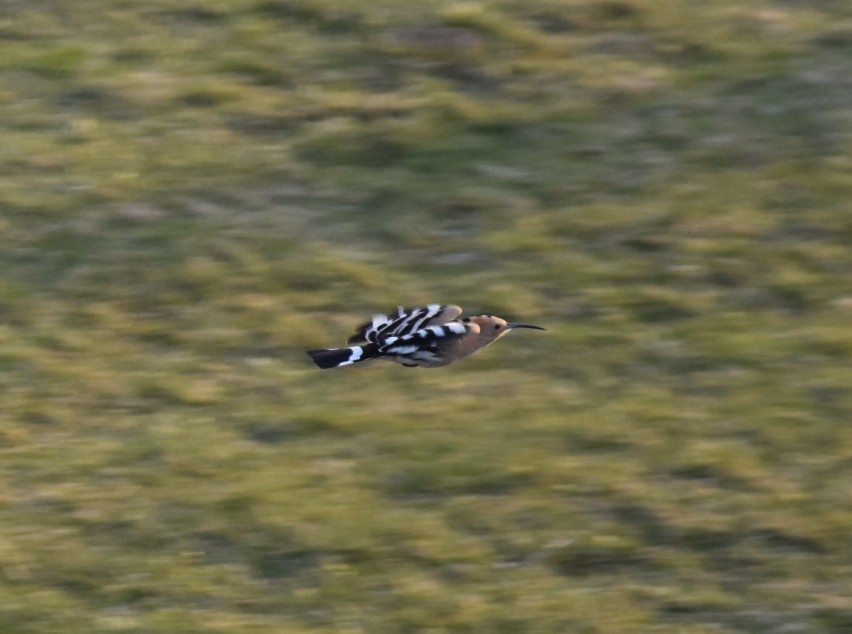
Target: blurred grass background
192	194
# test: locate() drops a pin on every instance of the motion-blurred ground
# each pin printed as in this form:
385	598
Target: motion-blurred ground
191	194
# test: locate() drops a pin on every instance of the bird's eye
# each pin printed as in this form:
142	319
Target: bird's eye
496	326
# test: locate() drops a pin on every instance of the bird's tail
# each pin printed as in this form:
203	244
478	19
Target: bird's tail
336	357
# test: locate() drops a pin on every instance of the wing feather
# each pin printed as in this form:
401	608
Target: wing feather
403	322
423	339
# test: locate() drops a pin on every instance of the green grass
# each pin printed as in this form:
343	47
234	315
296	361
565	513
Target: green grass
191	196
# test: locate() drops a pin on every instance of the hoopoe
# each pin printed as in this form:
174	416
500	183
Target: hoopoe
428	336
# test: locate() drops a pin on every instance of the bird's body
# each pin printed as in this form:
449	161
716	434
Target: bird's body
428	336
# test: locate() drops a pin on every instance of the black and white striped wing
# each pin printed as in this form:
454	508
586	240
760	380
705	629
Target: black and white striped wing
404	321
425	339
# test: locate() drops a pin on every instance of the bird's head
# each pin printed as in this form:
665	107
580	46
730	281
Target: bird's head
492	328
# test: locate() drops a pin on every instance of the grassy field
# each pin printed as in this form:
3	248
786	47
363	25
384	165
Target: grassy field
192	194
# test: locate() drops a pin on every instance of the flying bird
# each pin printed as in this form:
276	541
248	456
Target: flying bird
427	336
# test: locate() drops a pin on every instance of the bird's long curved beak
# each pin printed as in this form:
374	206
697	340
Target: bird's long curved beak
514	325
